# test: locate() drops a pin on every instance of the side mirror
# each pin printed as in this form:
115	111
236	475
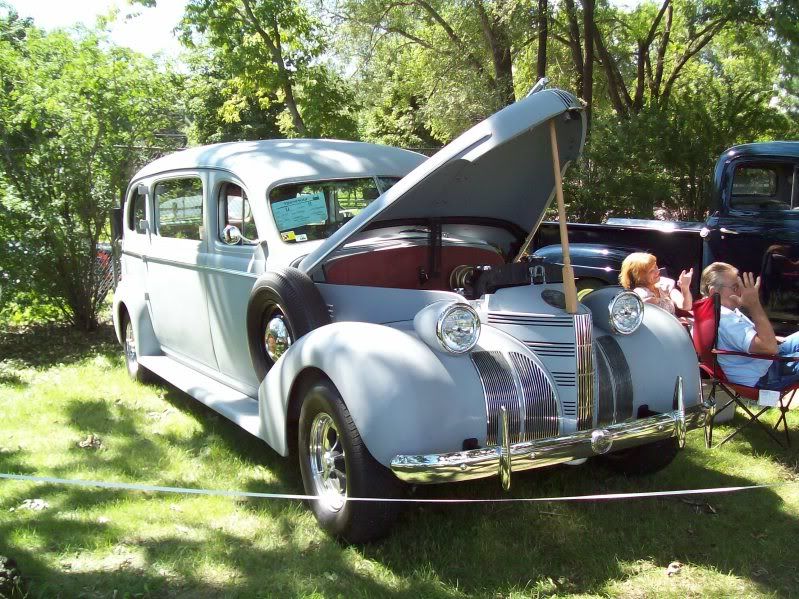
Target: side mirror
231	235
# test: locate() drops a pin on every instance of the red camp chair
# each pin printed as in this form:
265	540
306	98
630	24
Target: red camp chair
705	335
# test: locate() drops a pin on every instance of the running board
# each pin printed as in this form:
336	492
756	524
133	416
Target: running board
232	404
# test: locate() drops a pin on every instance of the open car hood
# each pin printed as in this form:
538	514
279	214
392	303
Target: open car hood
499	169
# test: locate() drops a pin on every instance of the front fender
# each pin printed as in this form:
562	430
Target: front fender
657	353
403	396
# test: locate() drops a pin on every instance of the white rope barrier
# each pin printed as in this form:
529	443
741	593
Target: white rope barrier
292	496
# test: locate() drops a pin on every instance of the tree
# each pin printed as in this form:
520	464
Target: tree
273	51
216	111
75	113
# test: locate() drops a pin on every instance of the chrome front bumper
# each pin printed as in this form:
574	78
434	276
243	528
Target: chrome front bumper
504	458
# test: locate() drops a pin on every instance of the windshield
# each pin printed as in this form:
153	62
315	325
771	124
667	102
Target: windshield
314	210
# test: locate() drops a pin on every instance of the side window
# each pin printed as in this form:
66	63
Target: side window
180	208
137	212
759	187
234	209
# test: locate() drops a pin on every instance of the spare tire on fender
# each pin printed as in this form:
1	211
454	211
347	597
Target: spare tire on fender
284	305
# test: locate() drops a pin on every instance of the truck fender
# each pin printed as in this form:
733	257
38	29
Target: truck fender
404	397
132	301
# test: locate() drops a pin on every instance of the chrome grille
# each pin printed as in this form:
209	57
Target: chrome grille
541	407
523	389
585	372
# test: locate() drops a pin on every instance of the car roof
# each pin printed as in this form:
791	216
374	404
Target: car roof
278	159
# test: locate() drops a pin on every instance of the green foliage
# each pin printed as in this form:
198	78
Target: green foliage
216	111
73	113
270	54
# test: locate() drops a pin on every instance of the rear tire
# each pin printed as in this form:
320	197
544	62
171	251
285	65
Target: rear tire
335	464
642	460
136	371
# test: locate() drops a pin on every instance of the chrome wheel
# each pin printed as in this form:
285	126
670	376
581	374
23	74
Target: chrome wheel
277	337
328	466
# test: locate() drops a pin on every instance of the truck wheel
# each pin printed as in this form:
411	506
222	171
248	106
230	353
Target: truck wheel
284	305
645	459
335	464
136	371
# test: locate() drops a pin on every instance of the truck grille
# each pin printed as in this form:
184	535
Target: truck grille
520	385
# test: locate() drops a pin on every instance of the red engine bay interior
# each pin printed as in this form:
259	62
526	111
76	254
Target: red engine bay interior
409	267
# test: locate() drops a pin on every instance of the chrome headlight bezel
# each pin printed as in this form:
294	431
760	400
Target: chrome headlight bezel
430	325
615	305
441	331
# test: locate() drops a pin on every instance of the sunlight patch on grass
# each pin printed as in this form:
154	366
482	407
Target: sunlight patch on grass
79	416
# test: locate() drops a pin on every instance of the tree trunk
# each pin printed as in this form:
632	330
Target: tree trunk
497	40
575	44
588	64
543	21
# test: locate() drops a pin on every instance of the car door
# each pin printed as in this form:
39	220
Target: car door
174	261
229	278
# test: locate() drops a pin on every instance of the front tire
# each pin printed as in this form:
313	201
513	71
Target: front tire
643	460
335	464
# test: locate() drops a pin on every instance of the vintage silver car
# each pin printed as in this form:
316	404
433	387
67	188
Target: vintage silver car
374	313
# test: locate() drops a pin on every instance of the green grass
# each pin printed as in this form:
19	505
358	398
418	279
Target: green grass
57	387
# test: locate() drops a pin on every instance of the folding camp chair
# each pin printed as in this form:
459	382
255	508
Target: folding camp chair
707	313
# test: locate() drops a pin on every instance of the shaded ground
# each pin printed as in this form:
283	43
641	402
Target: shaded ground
61	387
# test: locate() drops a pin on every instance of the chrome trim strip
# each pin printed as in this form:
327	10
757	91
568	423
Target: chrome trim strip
482	463
539	320
585	371
551	348
202	267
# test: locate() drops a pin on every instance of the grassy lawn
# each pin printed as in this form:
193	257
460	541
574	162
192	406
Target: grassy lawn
58	387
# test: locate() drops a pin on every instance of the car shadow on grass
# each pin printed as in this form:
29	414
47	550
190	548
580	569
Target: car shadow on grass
753	439
585	546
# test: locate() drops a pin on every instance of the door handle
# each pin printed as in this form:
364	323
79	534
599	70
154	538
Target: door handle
726	231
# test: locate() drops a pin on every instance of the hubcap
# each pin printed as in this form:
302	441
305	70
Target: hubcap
130	348
328	467
276	337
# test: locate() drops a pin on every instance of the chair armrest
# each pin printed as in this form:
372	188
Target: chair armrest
726	352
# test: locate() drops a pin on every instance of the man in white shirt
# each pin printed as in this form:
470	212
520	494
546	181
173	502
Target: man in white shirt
750	334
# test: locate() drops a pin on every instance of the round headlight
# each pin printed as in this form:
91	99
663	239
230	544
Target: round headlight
458	328
626	312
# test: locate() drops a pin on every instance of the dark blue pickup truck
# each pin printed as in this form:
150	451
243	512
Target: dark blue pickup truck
754	225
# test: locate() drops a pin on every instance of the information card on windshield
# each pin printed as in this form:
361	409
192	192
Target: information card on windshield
305	209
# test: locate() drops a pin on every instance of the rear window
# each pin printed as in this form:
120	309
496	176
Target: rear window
315	210
180	208
759	188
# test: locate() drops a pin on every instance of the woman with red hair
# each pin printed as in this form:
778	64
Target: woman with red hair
640	273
